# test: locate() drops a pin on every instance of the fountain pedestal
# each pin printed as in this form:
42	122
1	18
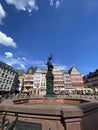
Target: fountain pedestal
49	84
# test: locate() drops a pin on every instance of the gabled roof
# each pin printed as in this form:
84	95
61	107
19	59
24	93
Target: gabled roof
31	70
73	70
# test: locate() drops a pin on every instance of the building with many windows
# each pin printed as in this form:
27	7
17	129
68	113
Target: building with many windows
91	80
67	80
58	79
76	77
8	78
35	79
43	81
29	79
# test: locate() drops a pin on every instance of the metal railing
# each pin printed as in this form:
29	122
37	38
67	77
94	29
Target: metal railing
6	124
72	96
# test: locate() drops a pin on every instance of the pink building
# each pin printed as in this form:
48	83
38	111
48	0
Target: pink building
76	77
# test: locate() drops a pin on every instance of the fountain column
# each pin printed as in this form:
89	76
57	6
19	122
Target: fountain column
49	79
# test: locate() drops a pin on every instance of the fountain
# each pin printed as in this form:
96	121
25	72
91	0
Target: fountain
51	112
50	98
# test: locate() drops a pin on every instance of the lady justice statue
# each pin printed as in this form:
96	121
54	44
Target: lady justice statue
49	78
49	65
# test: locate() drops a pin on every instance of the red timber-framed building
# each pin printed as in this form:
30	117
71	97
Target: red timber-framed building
76	78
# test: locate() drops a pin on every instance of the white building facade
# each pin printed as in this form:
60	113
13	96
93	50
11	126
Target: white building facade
8	78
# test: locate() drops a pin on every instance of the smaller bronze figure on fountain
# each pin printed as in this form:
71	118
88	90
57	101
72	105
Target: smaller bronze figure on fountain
49	65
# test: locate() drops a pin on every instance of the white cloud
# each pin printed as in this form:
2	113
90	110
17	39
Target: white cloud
6	41
15	62
24	5
30	5
23	58
22	66
63	67
12	61
23	63
8	54
9	64
58	3
2	14
51	2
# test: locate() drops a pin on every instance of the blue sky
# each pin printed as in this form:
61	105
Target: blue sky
30	30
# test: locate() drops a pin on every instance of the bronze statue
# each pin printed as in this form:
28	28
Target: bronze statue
49	65
49	78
